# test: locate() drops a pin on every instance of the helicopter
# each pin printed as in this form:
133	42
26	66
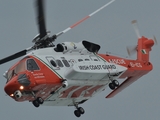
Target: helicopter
69	73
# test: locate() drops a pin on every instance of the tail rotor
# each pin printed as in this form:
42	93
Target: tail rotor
144	44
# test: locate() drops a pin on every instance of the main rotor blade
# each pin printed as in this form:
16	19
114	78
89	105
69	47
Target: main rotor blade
85	18
16	55
41	18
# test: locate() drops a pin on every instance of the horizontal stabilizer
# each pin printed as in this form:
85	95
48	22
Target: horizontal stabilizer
125	84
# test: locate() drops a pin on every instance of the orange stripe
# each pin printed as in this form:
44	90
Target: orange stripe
79	91
79	21
91	91
66	92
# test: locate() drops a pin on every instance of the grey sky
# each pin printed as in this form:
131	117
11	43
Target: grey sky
111	28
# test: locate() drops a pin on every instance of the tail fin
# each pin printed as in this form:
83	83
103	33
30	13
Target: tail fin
144	48
144	44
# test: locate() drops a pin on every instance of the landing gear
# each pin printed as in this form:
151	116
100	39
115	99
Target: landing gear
113	84
40	100
79	111
116	83
37	102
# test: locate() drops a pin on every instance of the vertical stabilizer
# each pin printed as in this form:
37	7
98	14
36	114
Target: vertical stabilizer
143	48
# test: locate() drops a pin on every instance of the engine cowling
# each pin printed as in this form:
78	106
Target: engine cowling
71	46
68	46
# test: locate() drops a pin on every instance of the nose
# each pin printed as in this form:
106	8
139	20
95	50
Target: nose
11	87
16	85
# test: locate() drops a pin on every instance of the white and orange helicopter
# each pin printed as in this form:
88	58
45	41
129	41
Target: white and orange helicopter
69	73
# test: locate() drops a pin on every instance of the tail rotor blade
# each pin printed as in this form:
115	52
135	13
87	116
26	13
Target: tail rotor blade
135	26
131	50
155	40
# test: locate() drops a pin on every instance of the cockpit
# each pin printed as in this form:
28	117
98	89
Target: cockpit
21	66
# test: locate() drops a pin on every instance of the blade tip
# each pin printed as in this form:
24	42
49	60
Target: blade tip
134	21
128	51
155	40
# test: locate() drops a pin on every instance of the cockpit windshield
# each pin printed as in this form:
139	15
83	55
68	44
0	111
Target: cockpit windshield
20	67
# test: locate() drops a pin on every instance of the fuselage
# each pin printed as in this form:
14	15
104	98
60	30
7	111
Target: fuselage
41	72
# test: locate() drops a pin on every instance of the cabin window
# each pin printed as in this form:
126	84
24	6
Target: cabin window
80	60
95	60
53	63
66	63
86	59
60	64
32	65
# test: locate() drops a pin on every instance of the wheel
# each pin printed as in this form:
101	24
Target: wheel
35	103
40	100
116	83
81	110
77	113
112	86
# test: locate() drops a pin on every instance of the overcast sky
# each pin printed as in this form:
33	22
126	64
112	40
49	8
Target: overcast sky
111	28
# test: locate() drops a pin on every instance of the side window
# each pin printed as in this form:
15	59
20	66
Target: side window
32	65
53	63
60	64
80	60
94	58
87	60
66	63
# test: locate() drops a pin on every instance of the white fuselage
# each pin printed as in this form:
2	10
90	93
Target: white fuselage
84	71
